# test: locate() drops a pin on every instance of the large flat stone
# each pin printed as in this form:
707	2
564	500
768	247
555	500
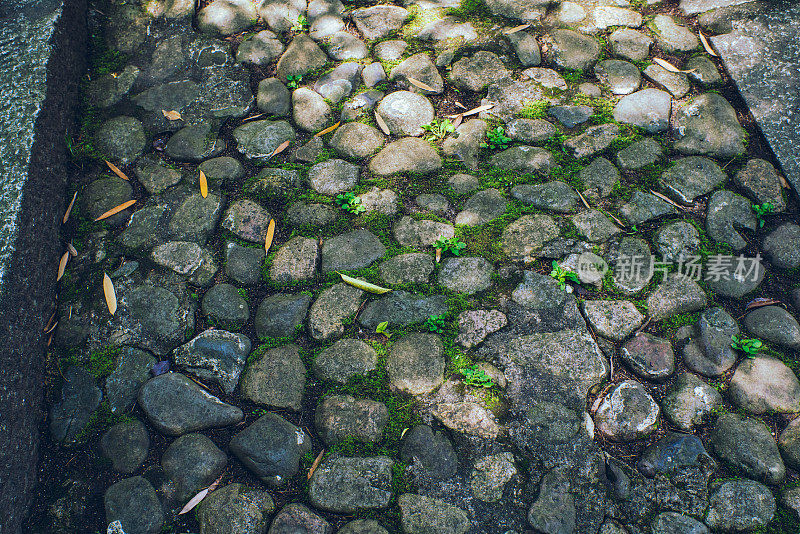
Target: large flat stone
763	58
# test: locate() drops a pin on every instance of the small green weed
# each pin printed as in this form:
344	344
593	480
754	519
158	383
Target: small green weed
381	329
435	323
350	203
562	275
301	24
475	376
749	346
451	245
438	130
496	139
293	80
761	210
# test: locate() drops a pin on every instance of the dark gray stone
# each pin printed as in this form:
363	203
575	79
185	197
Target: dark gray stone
273	98
235	509
639	154
134	503
627	412
271	448
431	451
676	294
643	207
708	126
121	139
80	397
571	50
671	453
420	514
553	196
176	405
243	264
348	485
650	357
296	260
689	178
281	314
621	77
215	355
344	359
194	143
747	445
740	505
126	445
782	246
315	215
774	324
708	350
482	207
421	68
192	462
332	307
401	308
466	274
277	378
225	307
690	402
155	176
131	370
600	175
477	72
415	363
675	523
258	139
762	183
353	250
407	268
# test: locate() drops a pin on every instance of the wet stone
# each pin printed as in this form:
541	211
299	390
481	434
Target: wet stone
175	405
475	325
295	518
466	275
344	359
104	194
482	207
621	77
327	314
134	503
650	357
554	508
280	315
430	451
223	170
627	413
271	447
690	402
747	445
600	176
80	397
126	445
243	264
187	259
295	260
194	143
192	462
671	453
553	196
277	378
235	509
415	363
224	306
131	370
782	246
348	485
215	355
765	385
740	505
614	319
774	324
639	154
401	308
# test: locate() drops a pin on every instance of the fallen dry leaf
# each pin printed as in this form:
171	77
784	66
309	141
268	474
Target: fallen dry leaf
583	199
194	501
314	465
270	235
172	115
328	130
116	170
363	284
458	120
474	111
283	146
666	65
69	208
421	85
622	224
707	45
668	200
115	210
62	265
784	183
110	294
761	302
72	250
438	255
381	123
253	117
459	104
203	184
516	29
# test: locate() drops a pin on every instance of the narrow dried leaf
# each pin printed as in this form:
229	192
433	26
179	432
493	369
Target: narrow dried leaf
583	199
473	111
707	45
194	501
115	210
116	170
270	235
667	199
438	255
421	85
50	322
784	183
666	64
516	29
314	465
457	122
283	146
172	115
62	265
72	250
69	208
252	117
459	104
363	284
761	302
381	123
203	184
328	130
110	294
52	328
619	222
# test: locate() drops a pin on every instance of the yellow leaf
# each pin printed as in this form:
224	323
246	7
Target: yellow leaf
203	184
171	115
421	85
707	45
116	170
516	29
115	210
363	285
270	235
381	123
327	130
283	146
62	265
110	294
69	208
438	255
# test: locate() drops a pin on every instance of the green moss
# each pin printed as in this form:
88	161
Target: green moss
572	76
681	319
535	109
101	420
470	9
